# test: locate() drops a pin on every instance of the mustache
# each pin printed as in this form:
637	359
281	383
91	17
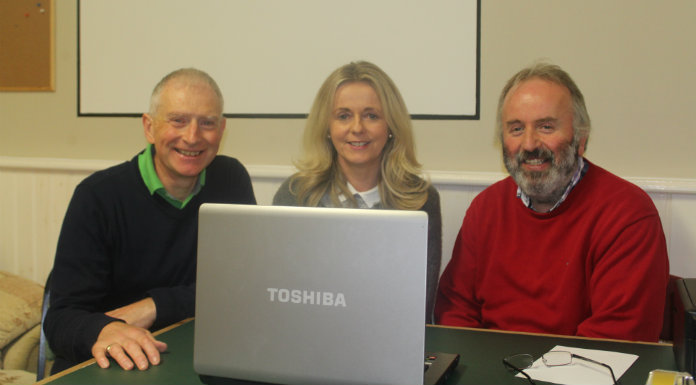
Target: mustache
538	153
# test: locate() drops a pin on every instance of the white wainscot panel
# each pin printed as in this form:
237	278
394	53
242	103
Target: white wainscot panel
35	194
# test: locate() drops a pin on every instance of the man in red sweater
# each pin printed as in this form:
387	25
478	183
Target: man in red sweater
561	246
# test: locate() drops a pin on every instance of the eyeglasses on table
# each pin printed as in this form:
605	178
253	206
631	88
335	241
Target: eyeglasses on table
519	362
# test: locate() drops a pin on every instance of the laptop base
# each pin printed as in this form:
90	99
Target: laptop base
438	368
214	380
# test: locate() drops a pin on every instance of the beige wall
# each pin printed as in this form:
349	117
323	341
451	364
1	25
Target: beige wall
634	60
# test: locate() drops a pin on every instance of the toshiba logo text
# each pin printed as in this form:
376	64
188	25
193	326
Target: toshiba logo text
306	297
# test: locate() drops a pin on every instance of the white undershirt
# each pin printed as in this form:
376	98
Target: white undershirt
371	196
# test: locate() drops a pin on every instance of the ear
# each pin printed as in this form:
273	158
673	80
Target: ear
148	127
223	124
581	147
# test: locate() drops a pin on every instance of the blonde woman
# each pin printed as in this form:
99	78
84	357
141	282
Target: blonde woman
359	152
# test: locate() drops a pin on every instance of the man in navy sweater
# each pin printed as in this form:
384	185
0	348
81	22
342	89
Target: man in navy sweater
126	257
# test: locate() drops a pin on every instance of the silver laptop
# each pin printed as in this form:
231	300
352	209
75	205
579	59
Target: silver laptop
294	295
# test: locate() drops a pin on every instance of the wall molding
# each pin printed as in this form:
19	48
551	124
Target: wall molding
468	178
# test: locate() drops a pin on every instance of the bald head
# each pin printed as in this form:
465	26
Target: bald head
186	76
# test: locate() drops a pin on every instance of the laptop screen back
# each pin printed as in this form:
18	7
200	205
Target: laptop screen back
297	295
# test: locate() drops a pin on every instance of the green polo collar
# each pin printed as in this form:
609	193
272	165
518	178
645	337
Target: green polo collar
146	165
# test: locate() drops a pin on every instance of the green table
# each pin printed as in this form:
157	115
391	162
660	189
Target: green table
481	354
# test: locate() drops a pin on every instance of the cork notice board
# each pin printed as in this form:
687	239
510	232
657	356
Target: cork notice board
26	45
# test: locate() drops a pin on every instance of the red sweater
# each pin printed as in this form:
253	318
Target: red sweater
595	266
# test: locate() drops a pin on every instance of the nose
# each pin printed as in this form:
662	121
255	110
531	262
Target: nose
192	132
530	140
357	126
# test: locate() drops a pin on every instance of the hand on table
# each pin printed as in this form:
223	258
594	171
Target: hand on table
130	343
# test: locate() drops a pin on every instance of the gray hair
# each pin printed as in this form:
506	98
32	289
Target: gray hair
554	74
189	74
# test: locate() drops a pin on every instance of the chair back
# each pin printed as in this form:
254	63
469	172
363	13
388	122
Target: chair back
43	344
671	301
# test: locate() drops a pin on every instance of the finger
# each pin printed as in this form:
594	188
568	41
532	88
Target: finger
118	353
161	346
135	350
152	347
152	350
99	354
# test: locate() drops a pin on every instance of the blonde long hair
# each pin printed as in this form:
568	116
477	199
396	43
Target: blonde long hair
400	184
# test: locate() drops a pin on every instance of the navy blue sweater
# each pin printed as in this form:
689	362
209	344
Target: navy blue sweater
119	244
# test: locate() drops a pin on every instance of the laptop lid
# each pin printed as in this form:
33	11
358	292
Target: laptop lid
297	295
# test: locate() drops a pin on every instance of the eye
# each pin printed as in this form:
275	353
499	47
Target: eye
546	127
515	130
372	116
342	116
208	124
178	121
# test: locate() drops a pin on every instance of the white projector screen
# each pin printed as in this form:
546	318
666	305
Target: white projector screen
270	56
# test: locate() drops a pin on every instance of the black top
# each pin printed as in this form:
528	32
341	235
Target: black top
119	244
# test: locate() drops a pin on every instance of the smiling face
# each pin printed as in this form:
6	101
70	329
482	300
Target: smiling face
185	130
539	148
358	128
